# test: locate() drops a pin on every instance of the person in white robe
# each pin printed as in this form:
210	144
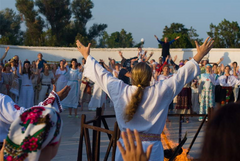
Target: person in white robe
98	99
26	96
227	82
151	114
74	76
46	79
61	79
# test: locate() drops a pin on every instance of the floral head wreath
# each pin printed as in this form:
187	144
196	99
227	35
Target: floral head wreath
31	132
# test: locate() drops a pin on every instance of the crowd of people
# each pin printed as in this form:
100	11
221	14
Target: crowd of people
141	90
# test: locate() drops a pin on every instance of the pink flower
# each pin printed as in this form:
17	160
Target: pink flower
33	115
30	144
9	158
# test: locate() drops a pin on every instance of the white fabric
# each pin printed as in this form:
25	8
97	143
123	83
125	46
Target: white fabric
231	82
62	80
115	73
163	77
98	98
152	111
25	79
26	97
45	115
45	80
74	82
8	113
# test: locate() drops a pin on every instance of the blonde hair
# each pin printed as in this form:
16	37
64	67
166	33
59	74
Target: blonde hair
141	77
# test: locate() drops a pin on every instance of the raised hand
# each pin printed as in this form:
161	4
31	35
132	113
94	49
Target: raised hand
151	54
85	51
6	49
65	65
63	93
177	37
155	36
203	49
133	152
221	59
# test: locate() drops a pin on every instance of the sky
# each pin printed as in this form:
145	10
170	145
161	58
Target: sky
145	18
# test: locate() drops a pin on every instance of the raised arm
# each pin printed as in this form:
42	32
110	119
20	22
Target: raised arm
95	72
161	42
150	55
189	71
5	54
20	67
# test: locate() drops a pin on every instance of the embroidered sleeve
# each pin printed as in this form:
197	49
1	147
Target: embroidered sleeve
52	101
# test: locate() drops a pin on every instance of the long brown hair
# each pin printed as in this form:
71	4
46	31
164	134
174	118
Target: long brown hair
141	77
222	141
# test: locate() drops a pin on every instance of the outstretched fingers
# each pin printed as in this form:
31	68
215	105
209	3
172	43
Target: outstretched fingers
206	41
130	139
122	150
125	141
149	150
138	141
79	44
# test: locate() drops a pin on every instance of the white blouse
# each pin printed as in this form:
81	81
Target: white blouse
152	111
231	81
62	77
46	79
26	80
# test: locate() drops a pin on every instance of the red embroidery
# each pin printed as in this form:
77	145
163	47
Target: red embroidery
48	101
16	107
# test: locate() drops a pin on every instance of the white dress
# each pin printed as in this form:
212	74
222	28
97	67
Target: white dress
46	82
26	97
74	82
98	98
62	80
153	109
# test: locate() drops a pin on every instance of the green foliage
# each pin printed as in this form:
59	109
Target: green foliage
117	39
81	10
58	14
187	36
34	23
226	34
10	27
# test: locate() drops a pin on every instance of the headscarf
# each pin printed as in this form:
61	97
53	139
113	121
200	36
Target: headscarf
32	131
208	65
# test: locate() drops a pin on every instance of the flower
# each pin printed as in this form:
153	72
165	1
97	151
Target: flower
30	144
9	158
33	115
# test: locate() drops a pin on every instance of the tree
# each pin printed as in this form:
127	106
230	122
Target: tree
34	23
81	10
117	39
10	27
187	36
226	34
58	14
